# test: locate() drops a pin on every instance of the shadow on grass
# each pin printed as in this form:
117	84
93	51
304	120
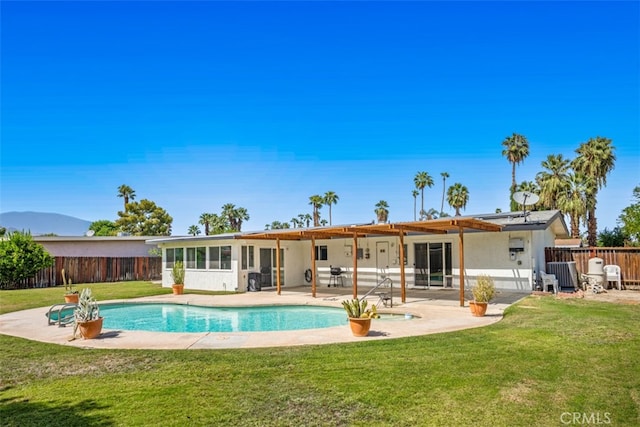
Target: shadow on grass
17	412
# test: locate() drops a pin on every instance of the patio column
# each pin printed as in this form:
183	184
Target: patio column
461	255
278	284
403	290
313	266
354	276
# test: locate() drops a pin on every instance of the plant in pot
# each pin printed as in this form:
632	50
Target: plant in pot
177	273
360	316
71	293
87	316
483	291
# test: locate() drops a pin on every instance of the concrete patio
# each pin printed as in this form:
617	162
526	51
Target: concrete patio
433	311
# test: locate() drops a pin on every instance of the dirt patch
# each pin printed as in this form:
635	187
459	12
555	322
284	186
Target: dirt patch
615	296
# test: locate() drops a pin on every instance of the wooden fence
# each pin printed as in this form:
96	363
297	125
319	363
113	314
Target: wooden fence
628	259
96	270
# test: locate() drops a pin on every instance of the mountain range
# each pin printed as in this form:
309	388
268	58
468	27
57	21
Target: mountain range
39	223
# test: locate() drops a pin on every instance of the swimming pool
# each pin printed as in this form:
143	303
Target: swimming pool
156	317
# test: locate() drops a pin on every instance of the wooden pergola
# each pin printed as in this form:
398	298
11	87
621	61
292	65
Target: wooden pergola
399	229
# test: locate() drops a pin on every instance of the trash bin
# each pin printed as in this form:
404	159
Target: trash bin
254	284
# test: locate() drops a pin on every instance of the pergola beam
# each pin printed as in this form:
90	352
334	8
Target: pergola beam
437	226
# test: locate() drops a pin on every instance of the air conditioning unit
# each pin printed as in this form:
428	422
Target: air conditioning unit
516	245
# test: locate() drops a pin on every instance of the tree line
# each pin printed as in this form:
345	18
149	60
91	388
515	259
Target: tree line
569	185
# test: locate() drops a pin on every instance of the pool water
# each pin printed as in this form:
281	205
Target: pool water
189	318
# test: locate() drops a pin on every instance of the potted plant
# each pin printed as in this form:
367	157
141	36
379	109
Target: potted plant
483	291
71	294
360	316
87	316
177	273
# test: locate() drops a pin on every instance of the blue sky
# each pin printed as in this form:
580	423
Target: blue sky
263	104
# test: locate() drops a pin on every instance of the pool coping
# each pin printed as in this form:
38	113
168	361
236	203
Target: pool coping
430	316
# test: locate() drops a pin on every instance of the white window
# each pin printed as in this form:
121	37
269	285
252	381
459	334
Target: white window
248	257
321	253
173	255
196	258
220	257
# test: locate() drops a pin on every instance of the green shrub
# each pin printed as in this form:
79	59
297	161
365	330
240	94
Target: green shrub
21	258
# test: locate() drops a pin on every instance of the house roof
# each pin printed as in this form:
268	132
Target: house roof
535	220
91	238
510	221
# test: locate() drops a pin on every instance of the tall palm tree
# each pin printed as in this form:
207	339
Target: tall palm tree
382	211
127	193
193	230
595	160
330	198
553	181
422	180
206	219
444	176
316	201
414	193
457	197
516	149
573	202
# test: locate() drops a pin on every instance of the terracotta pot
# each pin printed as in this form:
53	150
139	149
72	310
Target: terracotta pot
478	309
177	289
359	326
90	329
71	298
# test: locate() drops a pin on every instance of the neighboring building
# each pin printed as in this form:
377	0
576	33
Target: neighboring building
509	247
95	246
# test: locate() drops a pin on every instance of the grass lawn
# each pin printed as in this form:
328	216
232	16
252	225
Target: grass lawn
545	363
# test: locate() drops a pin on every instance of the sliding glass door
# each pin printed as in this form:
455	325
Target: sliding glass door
433	263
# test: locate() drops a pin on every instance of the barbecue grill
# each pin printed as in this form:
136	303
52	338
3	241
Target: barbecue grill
336	276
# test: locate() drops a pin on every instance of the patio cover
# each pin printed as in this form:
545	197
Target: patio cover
399	229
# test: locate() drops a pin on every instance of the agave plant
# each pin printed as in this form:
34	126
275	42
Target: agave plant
87	308
358	309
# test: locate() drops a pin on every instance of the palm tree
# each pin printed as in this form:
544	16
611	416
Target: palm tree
553	181
214	223
457	197
193	230
595	160
444	176
295	222
317	202
573	202
206	219
127	193
516	149
414	193
305	220
241	215
382	211
432	214
330	198
422	180
528	186
235	216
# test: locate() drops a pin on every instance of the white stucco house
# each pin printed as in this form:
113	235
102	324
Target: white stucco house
509	247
